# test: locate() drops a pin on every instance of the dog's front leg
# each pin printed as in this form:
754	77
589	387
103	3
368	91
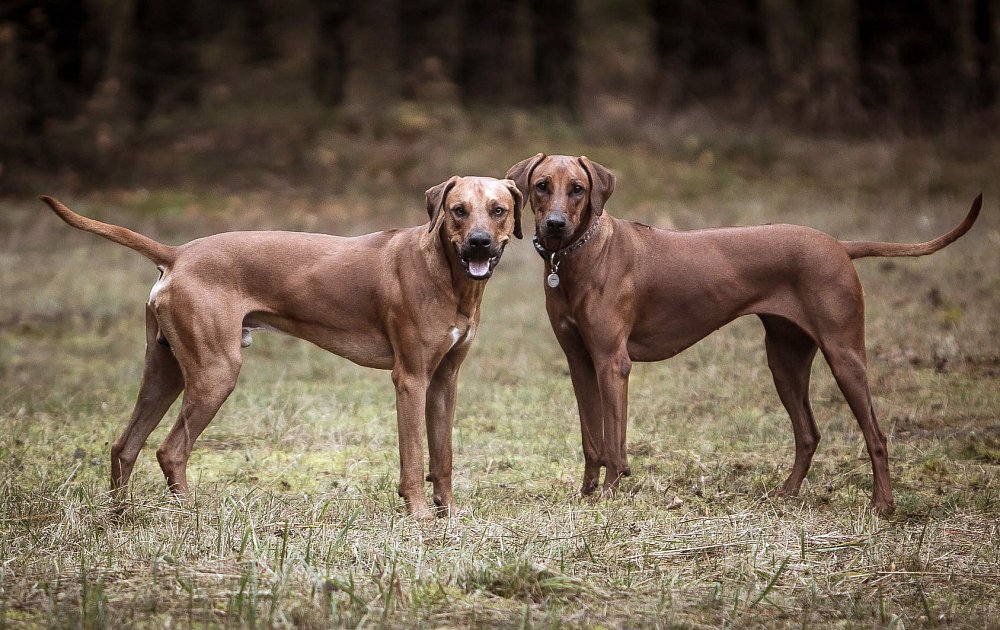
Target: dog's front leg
440	419
411	400
588	402
613	369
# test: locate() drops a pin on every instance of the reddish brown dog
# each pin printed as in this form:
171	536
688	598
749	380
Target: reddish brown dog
402	300
619	292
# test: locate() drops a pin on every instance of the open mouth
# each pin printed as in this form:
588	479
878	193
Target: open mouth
476	266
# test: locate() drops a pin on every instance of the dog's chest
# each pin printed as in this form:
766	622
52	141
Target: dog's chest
461	333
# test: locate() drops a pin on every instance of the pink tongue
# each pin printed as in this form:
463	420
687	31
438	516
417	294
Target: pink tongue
479	268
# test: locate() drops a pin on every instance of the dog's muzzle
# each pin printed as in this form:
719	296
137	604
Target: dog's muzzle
479	259
554	229
554	239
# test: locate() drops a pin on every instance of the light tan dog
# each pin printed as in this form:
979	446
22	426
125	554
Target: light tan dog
403	300
619	292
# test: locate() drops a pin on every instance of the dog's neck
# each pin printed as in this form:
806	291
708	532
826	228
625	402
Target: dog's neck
577	240
447	270
576	266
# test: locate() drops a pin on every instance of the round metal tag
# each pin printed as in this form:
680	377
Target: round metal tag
552	280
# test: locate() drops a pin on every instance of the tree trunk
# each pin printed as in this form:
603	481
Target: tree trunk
373	80
258	38
993	63
167	71
425	53
671	47
838	105
330	55
554	28
786	40
964	65
485	74
115	66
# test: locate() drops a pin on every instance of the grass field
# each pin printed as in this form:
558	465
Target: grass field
296	520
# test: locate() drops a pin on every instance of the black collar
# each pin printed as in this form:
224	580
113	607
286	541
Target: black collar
553	256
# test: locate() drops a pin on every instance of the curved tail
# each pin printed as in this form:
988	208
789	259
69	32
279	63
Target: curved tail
861	249
162	255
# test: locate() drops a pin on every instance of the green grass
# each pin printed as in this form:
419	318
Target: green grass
296	520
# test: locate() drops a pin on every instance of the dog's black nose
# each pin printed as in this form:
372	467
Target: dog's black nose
555	222
480	239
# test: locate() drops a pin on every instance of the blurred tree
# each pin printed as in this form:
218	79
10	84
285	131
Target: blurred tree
671	47
486	74
987	26
166	71
330	59
813	57
69	69
425	39
373	76
992	33
707	49
554	68
58	57
836	67
918	60
258	23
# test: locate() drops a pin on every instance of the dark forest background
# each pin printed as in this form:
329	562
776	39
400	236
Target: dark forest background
86	86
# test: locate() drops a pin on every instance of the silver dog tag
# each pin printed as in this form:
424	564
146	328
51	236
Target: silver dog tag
552	280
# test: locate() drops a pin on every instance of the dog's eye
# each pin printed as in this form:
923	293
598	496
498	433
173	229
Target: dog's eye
577	189
458	211
499	211
541	186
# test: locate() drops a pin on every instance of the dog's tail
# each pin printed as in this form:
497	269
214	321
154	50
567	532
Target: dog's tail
861	249
157	252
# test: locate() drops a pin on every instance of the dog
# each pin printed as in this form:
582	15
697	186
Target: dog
405	300
618	292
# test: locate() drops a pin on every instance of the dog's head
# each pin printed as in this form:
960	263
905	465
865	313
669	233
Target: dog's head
565	193
477	216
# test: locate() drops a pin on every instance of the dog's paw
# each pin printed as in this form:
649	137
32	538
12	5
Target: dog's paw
422	513
443	508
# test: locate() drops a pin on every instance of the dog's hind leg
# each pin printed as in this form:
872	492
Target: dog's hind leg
849	366
206	387
790	353
211	367
161	383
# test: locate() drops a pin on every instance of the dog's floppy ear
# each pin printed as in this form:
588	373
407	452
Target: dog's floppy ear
435	200
520	174
518	205
602	184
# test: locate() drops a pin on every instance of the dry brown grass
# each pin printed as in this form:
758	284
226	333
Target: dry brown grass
296	521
